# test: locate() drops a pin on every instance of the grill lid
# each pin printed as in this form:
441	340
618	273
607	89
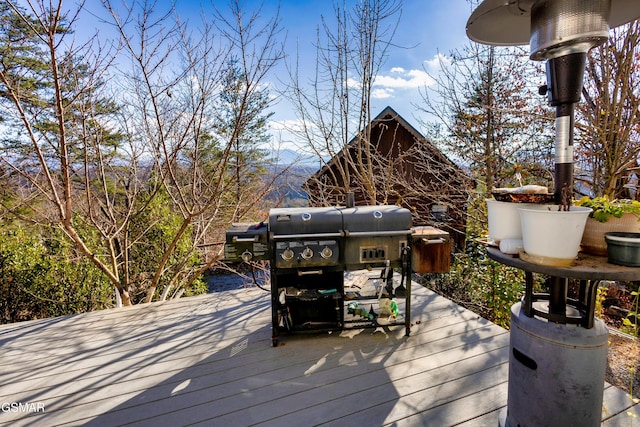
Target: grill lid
247	232
303	221
376	219
297	222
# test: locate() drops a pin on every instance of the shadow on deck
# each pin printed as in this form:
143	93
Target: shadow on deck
208	360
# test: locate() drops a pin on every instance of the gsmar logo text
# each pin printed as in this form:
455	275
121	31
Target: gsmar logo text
22	407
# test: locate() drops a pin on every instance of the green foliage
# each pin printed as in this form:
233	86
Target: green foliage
601	296
151	232
197	287
480	284
43	277
630	323
603	208
477	225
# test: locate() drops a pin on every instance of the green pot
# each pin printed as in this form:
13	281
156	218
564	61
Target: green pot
623	248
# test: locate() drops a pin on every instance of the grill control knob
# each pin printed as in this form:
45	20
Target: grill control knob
287	254
307	253
326	252
246	256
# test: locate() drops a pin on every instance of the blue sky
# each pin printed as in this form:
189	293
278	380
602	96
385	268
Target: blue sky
426	28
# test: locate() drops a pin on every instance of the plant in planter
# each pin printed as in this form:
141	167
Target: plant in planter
607	215
604	209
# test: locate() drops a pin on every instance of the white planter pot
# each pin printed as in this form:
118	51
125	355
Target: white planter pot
503	220
550	236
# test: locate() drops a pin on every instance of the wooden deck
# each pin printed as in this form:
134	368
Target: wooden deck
208	360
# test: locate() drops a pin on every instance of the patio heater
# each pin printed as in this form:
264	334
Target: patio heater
556	367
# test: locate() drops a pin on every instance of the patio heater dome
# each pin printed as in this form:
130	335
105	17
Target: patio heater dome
552	28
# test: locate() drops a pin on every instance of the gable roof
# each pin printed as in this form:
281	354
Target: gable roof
386	115
390	114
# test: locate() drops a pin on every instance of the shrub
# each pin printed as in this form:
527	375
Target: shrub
480	284
44	278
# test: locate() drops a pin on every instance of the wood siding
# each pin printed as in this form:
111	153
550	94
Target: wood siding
408	170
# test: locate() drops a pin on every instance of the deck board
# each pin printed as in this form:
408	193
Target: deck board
208	360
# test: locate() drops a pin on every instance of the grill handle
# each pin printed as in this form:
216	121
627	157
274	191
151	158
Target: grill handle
376	233
305	236
309	272
245	239
433	241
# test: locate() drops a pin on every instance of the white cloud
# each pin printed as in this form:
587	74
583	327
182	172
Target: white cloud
285	125
289	130
437	62
352	83
399	78
382	93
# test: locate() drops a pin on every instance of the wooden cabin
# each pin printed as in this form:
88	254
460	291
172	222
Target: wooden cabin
390	162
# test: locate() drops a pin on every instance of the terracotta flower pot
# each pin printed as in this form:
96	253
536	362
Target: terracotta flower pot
593	241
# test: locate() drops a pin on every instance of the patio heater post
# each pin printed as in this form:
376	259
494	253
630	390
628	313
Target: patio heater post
556	369
564	87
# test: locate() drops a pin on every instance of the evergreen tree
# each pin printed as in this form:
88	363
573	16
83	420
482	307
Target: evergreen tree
242	122
490	115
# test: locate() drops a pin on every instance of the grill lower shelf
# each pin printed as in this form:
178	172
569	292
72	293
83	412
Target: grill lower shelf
367	301
312	310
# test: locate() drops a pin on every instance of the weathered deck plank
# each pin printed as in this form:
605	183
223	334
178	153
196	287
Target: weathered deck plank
208	360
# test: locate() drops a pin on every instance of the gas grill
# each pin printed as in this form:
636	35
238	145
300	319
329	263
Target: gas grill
310	249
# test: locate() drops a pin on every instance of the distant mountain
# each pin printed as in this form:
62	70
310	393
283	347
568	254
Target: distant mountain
287	189
287	156
293	170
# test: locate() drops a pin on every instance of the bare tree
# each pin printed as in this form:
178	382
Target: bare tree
151	167
487	113
608	134
336	106
176	116
40	100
